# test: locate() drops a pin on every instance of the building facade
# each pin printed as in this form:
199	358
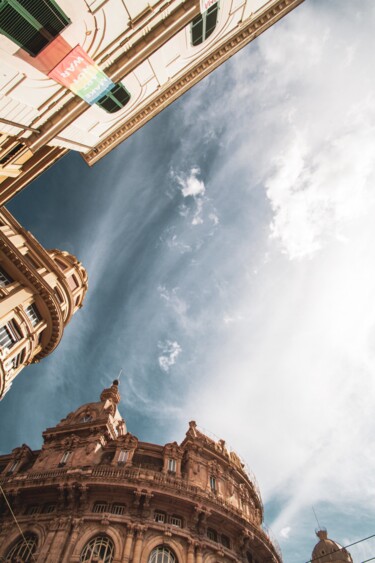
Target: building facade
95	493
83	75
40	290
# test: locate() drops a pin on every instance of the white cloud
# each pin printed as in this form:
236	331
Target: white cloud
190	183
170	352
285	532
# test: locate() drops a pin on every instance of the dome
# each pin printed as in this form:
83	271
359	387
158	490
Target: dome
329	550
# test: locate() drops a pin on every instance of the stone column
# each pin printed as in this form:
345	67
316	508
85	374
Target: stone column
60	539
128	544
190	554
138	545
199	558
76	525
51	533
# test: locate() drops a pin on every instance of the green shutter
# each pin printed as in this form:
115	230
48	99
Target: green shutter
204	24
31	24
115	99
211	20
48	14
197	30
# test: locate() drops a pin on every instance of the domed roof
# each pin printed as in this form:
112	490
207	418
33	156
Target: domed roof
329	550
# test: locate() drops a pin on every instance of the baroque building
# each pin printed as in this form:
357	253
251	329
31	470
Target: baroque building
83	75
95	493
40	290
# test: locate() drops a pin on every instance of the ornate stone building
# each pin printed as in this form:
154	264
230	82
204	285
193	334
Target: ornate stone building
40	290
329	551
138	57
95	493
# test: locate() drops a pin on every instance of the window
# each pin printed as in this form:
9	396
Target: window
203	25
225	541
213	483
212	534
33	314
31	24
100	507
115	99
100	548
118	509
72	282
23	550
162	554
159	517
32	510
123	457
172	465
10	154
59	295
8	336
176	521
48	508
5	278
86	418
249	557
64	458
13	467
17	360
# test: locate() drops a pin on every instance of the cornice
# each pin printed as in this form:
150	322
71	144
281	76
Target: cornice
171	92
129	479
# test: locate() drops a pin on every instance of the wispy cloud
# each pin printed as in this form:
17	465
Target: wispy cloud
170	352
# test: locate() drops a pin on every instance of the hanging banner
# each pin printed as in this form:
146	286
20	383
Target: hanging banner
205	4
80	74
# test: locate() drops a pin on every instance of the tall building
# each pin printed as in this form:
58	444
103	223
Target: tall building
83	75
95	493
40	290
329	551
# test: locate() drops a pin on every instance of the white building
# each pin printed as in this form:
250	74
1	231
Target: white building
149	53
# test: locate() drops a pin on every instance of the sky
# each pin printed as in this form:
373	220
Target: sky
229	248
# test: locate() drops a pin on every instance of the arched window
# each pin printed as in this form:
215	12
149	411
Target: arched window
100	548
204	24
115	99
162	554
23	550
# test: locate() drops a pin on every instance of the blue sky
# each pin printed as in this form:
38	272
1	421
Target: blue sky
229	247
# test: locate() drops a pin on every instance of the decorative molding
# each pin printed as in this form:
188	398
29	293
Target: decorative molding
170	93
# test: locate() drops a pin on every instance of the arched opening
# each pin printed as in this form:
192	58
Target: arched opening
162	554
23	550
100	548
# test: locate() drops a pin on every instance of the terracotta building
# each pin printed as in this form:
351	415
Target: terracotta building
83	75
329	551
95	493
40	290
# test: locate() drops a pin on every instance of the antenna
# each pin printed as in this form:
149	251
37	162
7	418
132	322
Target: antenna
119	375
316	518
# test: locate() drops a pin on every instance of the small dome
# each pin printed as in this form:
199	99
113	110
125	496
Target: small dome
329	550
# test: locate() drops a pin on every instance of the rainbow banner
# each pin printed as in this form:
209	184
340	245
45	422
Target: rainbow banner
80	74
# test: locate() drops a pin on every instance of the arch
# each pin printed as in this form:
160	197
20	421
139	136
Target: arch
23	549
13	537
162	554
99	546
171	543
93	530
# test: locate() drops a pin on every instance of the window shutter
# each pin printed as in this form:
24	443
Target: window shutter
47	13
115	99
31	24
